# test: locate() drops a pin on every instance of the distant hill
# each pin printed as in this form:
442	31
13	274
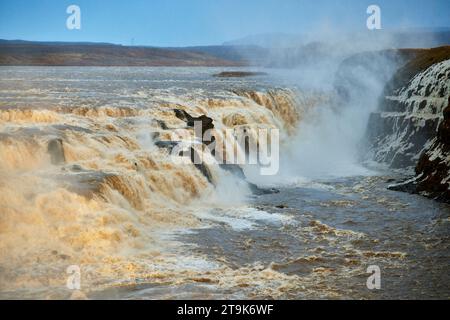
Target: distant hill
26	53
269	40
288	51
270	50
242	54
400	38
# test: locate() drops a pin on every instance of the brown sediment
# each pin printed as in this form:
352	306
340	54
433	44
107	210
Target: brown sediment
90	184
325	229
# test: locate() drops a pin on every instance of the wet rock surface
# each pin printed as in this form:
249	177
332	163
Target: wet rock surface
408	118
56	151
206	123
411	127
433	168
238	74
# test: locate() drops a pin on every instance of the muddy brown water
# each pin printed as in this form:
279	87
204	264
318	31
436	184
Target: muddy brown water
308	241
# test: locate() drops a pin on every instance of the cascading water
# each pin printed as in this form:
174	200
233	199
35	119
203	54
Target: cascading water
327	141
87	180
89	184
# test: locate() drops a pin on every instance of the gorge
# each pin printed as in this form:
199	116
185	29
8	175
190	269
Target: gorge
87	179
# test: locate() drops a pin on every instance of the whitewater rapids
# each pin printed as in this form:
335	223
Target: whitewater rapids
83	183
114	194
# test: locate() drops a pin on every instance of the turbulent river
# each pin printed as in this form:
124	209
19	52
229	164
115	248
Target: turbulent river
86	181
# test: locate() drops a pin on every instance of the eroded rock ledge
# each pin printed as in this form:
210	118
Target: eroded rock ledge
408	118
433	169
411	128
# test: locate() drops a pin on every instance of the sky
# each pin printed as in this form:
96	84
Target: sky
206	22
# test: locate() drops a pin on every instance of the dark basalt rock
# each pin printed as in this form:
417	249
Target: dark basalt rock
408	186
261	191
205	171
444	127
408	130
415	134
238	172
433	167
169	145
418	61
56	150
162	124
200	166
76	168
86	183
68	127
182	115
409	110
207	123
238	74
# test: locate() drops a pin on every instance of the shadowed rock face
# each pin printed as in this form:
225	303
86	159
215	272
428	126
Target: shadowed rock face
410	109
433	168
56	151
409	117
411	129
238	74
238	172
206	122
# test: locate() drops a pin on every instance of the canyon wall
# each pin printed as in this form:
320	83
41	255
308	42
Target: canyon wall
408	130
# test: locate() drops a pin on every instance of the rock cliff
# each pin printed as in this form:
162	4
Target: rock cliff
410	129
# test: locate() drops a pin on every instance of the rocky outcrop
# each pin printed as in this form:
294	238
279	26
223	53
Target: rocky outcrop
238	74
433	169
409	114
408	119
55	149
411	127
238	172
206	122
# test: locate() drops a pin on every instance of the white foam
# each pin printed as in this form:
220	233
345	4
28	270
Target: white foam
242	218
